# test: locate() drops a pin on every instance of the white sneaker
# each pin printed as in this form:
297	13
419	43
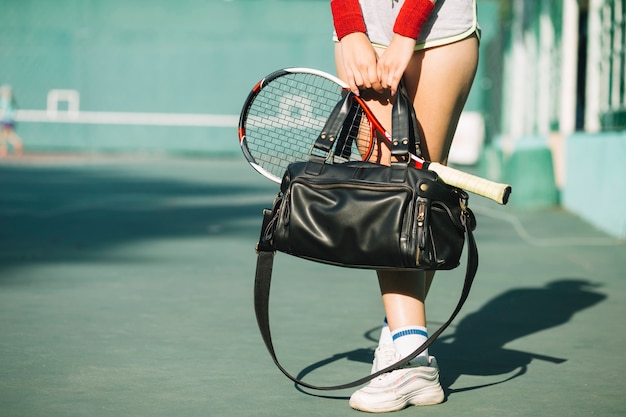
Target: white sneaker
384	356
414	384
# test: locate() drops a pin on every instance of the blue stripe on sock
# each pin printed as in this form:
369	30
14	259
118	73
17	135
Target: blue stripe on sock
409	332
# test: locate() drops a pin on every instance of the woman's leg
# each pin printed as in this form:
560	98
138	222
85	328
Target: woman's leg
440	79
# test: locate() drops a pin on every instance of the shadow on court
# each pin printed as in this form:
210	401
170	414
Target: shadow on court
515	314
56	213
476	345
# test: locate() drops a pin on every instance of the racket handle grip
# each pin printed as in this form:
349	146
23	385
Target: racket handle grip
496	191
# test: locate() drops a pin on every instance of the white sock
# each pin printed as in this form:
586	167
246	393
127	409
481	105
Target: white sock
407	339
385	334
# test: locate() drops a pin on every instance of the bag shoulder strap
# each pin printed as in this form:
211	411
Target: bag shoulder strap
262	282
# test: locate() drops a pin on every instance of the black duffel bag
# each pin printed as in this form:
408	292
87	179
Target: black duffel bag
365	215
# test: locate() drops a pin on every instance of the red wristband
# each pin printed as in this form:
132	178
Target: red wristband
347	17
412	16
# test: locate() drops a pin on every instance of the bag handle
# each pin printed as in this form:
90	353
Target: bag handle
333	127
404	125
262	282
405	132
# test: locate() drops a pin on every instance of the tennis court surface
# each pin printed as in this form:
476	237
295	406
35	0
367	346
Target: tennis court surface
126	290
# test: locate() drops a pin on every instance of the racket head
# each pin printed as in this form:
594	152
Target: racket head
284	114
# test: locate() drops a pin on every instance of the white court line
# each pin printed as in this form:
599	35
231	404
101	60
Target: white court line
128	118
523	234
73	114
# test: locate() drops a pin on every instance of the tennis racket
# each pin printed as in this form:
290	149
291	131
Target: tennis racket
285	112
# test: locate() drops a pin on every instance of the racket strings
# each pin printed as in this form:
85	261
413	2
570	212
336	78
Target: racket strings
352	133
363	140
286	117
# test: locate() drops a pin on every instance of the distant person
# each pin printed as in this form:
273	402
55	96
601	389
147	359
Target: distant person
8	136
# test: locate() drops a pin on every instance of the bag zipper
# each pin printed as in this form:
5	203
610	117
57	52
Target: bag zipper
421	230
372	187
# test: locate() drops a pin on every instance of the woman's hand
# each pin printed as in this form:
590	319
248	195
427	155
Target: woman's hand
359	61
394	61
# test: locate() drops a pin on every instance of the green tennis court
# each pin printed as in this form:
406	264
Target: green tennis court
126	290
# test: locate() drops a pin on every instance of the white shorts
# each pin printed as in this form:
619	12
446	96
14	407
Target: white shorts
450	21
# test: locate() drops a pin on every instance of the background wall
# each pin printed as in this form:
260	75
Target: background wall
595	187
183	57
185	60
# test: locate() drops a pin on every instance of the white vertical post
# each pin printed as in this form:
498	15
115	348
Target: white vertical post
594	62
72	97
545	85
519	68
617	66
569	67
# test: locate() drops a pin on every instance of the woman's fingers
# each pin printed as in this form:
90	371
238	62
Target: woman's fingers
394	61
359	60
